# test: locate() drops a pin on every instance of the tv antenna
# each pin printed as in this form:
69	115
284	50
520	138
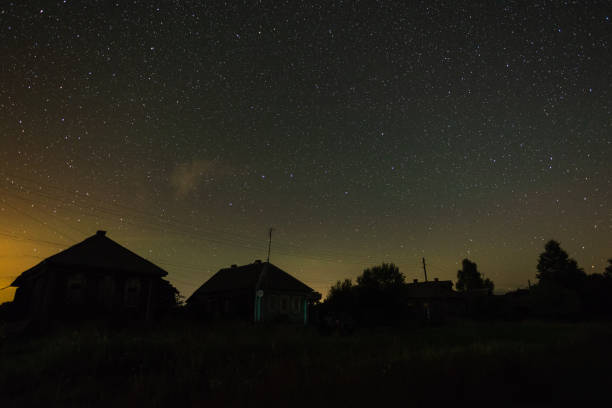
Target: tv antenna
269	242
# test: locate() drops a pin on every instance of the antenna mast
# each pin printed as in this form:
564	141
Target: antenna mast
424	269
269	242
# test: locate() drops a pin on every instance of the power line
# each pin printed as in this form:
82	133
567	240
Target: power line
241	240
36	219
139	212
38	208
175	227
165	229
232	243
18	238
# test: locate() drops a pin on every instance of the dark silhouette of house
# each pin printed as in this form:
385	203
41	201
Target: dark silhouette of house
96	278
258	292
433	300
517	304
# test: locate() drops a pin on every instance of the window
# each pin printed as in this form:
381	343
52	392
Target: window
75	288
296	304
273	302
132	292
284	304
107	291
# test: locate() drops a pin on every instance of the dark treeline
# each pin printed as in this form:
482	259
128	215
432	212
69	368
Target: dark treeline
378	296
382	296
564	290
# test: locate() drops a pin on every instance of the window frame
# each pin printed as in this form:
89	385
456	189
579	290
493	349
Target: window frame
76	284
132	300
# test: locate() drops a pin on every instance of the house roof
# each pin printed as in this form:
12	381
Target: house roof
430	289
258	275
96	252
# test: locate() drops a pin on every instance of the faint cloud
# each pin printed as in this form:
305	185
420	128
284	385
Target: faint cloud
187	177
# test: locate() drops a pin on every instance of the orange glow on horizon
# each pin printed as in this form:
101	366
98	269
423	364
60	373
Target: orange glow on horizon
34	230
16	257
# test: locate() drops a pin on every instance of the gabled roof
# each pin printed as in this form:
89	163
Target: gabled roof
258	275
96	252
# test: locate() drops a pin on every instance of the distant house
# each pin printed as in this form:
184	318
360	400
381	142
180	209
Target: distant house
517	304
258	292
433	300
95	278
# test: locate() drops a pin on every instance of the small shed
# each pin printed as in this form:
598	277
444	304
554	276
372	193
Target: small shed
96	278
259	292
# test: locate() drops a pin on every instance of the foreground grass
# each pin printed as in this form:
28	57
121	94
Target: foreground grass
184	364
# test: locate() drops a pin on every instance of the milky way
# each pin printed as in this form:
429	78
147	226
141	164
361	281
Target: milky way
361	133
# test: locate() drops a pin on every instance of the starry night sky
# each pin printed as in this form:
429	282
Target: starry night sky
361	132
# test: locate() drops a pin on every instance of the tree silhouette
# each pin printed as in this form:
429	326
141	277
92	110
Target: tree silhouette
469	279
376	298
608	271
555	266
341	296
381	277
380	293
169	296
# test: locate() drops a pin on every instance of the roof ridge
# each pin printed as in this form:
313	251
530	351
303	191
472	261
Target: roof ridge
98	252
256	275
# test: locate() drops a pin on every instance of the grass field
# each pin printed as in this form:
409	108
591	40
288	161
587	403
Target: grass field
183	364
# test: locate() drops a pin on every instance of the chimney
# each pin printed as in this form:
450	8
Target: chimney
436	279
258	261
415	281
234	266
100	233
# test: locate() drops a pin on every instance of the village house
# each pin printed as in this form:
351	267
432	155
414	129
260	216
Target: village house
433	300
96	278
257	292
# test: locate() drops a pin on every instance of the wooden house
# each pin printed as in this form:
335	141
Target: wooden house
433	300
258	292
96	278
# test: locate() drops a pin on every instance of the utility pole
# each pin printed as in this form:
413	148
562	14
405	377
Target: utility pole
424	269
269	242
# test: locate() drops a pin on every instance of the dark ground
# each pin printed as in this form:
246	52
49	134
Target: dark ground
184	364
